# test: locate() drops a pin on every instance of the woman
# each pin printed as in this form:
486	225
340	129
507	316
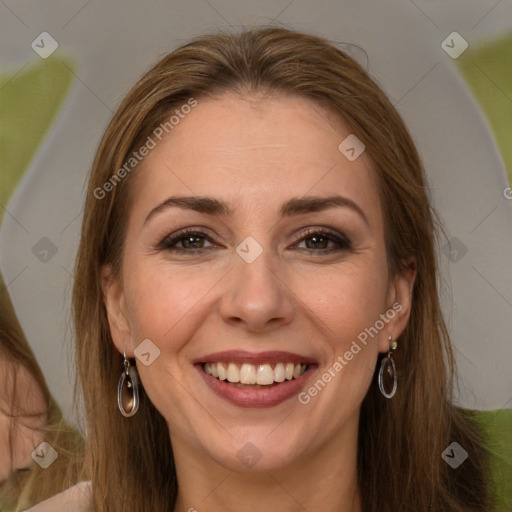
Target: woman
255	301
23	411
30	416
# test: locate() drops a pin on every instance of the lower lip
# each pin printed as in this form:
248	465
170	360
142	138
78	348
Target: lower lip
253	397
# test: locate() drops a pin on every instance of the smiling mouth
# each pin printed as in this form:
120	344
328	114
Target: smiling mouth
256	376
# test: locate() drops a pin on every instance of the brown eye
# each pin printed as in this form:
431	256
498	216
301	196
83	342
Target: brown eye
325	241
192	242
317	242
185	241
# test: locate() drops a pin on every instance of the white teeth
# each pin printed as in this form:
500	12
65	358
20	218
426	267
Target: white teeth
289	371
250	374
233	373
279	375
265	375
221	371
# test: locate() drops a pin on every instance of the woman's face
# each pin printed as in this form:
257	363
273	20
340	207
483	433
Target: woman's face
21	419
270	277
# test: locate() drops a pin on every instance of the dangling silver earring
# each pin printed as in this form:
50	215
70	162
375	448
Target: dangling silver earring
128	390
387	367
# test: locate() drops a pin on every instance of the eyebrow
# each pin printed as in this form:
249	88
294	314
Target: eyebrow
294	206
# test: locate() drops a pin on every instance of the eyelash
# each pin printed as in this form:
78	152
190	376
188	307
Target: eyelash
169	243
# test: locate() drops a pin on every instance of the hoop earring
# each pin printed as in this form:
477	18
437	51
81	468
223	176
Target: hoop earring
387	366
128	390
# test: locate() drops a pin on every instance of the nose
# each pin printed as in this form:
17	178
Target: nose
256	295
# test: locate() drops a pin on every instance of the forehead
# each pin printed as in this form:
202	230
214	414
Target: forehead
255	147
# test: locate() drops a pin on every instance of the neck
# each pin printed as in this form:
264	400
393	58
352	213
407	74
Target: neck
324	478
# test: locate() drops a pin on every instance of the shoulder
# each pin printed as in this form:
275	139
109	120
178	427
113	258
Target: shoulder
74	499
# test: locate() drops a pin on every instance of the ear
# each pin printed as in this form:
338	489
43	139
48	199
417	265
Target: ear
115	305
399	301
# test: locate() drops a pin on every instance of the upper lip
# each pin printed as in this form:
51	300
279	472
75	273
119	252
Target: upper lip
242	356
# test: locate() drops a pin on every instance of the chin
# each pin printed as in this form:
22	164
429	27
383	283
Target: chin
254	448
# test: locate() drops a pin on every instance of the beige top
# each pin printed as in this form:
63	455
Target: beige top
74	499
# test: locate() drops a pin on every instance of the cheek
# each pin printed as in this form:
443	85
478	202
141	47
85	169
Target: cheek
27	440
346	306
346	317
345	301
159	297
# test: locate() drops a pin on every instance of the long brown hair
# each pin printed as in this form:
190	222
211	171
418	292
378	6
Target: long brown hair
24	489
400	440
